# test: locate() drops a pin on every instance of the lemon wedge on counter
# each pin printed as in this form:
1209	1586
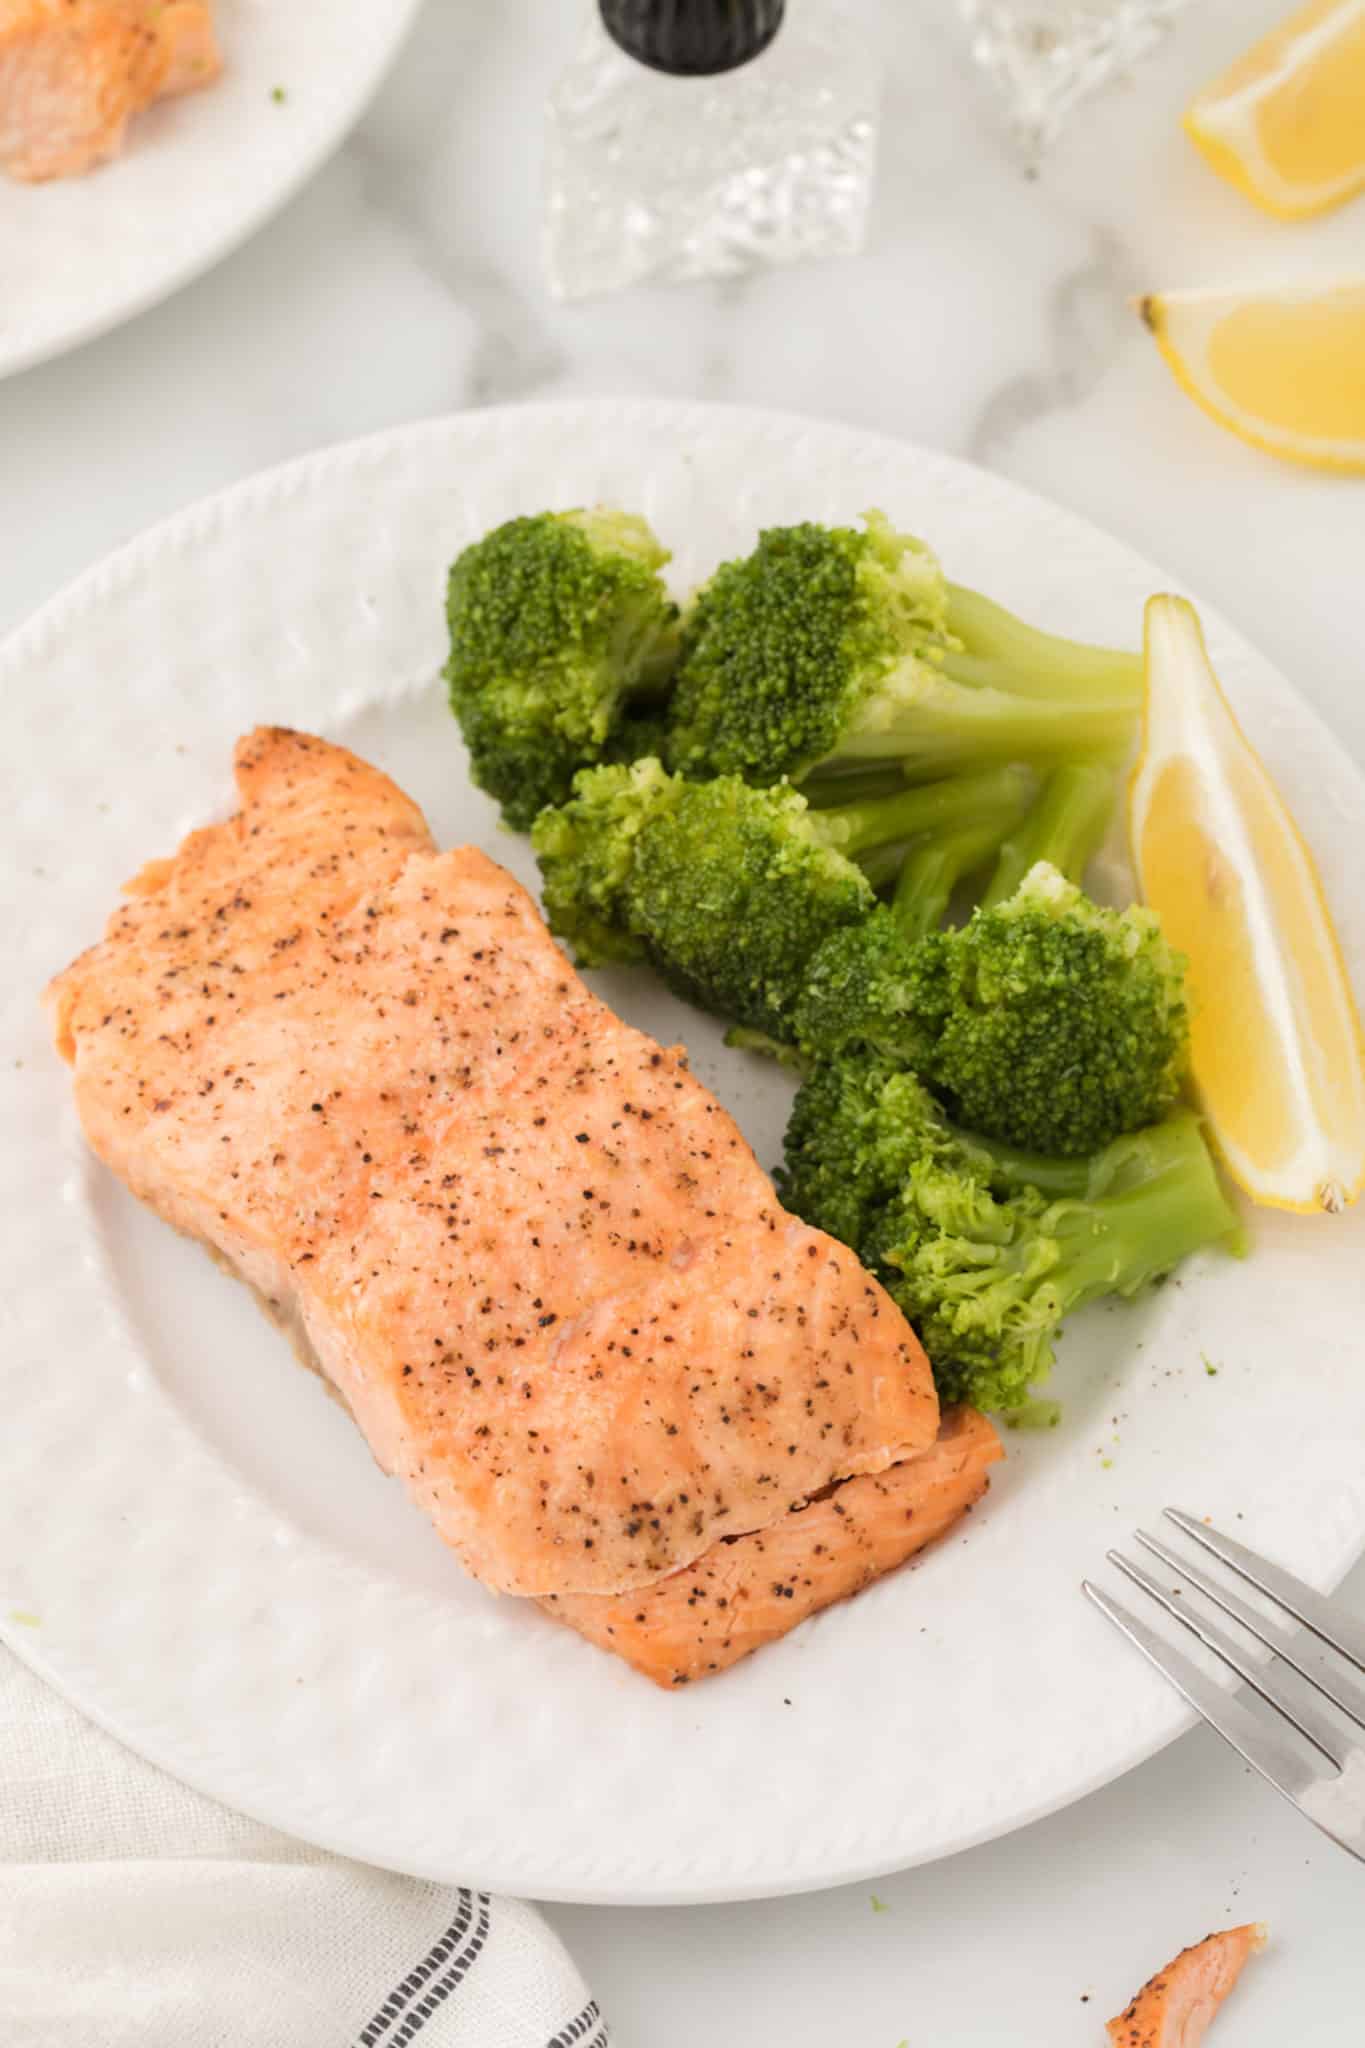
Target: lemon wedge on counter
1284	369
1277	1054
1284	124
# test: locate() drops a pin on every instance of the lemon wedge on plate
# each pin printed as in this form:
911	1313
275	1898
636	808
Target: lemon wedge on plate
1276	1048
1285	123
1284	369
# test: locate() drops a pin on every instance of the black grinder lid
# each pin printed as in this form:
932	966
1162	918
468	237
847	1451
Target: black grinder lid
692	38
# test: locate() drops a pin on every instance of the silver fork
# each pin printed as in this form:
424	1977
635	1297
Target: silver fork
1333	1798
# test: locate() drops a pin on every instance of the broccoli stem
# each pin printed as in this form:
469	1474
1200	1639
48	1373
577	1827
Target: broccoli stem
882	865
741	1038
932	870
829	792
1066	826
969	834
1000	652
1163	1202
1011	1170
1171	1153
997	794
936	726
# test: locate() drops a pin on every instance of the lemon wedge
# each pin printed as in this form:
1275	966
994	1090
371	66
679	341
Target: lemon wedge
1284	369
1284	124
1276	1048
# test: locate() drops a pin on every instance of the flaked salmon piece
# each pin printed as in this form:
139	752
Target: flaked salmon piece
74	72
535	1257
1176	2007
187	34
749	1590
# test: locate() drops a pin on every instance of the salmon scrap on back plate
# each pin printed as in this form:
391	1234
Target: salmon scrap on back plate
535	1258
74	72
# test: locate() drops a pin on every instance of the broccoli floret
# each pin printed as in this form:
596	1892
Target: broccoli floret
586	849
730	891
557	622
984	1248
733	891
858	1126
870	985
988	1274
1066	1024
727	890
846	1152
1047	1023
828	647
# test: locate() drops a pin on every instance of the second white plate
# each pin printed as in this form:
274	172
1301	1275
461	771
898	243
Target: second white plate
196	1546
197	176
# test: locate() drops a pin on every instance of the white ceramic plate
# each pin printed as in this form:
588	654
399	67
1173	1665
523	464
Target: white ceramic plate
197	175
208	1559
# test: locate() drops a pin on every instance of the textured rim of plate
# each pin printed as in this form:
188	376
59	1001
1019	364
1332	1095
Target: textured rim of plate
200	525
326	130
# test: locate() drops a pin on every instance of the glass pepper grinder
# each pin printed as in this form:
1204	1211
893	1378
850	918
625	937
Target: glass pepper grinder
699	138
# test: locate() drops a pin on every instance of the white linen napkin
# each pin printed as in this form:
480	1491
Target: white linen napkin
136	1914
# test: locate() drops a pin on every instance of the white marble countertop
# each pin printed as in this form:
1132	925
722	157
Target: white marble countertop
990	316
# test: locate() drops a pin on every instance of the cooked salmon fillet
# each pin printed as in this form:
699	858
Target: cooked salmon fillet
1175	2009
530	1251
748	1590
74	72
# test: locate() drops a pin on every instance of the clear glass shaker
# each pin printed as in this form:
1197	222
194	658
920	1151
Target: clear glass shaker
1046	55
699	138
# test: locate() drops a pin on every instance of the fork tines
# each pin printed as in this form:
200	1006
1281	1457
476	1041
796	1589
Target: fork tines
1328	1787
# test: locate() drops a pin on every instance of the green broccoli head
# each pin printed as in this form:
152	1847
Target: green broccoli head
871	1158
1047	1023
782	648
557	621
975	1273
727	890
871	985
828	648
733	890
1064	1023
985	1249
847	1150
586	849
